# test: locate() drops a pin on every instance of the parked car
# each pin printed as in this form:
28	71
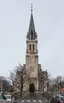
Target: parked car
57	99
8	98
62	98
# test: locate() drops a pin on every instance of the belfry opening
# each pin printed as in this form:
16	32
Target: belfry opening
31	88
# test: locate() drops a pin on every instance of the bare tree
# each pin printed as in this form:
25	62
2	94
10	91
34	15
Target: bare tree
59	81
12	79
43	78
19	78
56	84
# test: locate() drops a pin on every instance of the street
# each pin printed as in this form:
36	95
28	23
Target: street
32	98
27	101
32	101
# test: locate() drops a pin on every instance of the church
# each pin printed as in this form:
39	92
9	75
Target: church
36	78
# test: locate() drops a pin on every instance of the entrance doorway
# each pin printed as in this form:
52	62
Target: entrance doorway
31	88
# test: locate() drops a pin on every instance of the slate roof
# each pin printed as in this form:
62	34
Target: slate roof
31	31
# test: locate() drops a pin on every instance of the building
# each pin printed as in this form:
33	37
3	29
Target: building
36	79
32	66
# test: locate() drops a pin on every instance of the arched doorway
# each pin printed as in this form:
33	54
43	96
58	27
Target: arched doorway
31	88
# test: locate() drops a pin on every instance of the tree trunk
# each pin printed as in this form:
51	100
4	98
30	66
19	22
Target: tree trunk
21	85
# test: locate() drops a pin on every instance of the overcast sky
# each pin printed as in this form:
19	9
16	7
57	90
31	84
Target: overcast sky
49	24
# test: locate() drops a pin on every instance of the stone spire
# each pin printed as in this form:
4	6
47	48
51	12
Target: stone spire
31	32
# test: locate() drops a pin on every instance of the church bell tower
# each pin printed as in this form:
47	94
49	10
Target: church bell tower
32	54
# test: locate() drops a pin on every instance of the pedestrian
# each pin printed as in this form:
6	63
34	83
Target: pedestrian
53	101
13	99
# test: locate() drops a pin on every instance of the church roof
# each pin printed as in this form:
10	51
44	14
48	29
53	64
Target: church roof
31	31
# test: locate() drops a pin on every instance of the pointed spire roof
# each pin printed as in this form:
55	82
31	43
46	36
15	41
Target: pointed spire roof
31	32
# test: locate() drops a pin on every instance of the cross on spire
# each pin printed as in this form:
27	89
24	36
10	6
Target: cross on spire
31	8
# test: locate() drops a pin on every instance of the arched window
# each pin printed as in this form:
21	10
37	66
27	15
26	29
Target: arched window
30	47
